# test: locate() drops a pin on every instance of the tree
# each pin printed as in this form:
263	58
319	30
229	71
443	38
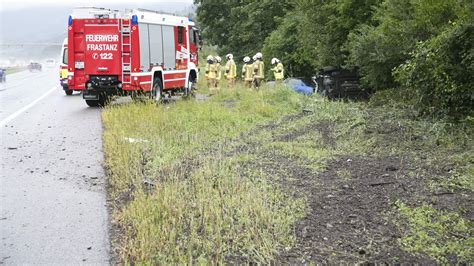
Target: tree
416	37
440	69
379	47
240	27
214	19
326	24
284	43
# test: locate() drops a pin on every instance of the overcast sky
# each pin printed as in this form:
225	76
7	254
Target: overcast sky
45	21
6	5
44	24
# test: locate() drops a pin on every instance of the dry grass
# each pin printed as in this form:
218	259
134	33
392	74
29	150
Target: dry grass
199	208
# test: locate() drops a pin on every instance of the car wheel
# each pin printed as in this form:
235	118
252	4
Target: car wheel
68	92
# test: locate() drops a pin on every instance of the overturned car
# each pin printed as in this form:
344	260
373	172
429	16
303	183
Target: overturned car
335	83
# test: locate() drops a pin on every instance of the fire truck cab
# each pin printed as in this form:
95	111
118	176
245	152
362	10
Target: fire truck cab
132	52
63	71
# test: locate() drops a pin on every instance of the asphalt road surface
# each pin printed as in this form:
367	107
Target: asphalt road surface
52	185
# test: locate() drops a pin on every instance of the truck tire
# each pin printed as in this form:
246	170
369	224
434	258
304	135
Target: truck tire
68	92
104	99
157	90
92	103
189	91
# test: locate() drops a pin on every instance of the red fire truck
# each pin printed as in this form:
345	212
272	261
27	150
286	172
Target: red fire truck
131	52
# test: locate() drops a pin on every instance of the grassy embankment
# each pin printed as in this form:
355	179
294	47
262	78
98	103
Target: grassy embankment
212	180
199	208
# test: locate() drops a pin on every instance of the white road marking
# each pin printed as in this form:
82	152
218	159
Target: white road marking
25	108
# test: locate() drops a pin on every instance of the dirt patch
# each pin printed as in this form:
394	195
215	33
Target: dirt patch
347	219
350	216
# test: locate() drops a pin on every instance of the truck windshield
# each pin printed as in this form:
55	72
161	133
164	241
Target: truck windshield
65	56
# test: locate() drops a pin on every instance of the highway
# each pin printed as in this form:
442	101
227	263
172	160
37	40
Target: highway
53	207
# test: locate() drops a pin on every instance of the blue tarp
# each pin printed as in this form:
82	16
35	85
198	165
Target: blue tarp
299	86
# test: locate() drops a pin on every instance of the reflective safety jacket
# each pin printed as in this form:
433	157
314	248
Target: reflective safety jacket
211	71
247	72
259	69
230	69
278	71
219	71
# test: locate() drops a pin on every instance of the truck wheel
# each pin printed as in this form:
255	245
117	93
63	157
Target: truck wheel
157	91
68	92
92	103
189	91
104	99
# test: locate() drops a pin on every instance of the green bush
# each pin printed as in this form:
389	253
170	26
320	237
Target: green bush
396	28
285	45
440	72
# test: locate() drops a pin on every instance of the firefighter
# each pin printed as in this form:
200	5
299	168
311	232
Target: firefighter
230	70
218	61
258	70
278	70
211	73
247	72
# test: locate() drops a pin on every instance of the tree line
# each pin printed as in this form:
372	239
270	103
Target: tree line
423	47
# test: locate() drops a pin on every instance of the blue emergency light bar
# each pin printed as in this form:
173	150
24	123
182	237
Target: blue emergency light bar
134	20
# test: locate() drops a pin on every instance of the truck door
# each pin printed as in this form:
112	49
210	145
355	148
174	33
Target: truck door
181	47
193	44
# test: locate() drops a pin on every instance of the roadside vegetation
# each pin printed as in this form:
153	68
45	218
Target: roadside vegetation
271	176
265	176
423	46
11	70
177	198
440	234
